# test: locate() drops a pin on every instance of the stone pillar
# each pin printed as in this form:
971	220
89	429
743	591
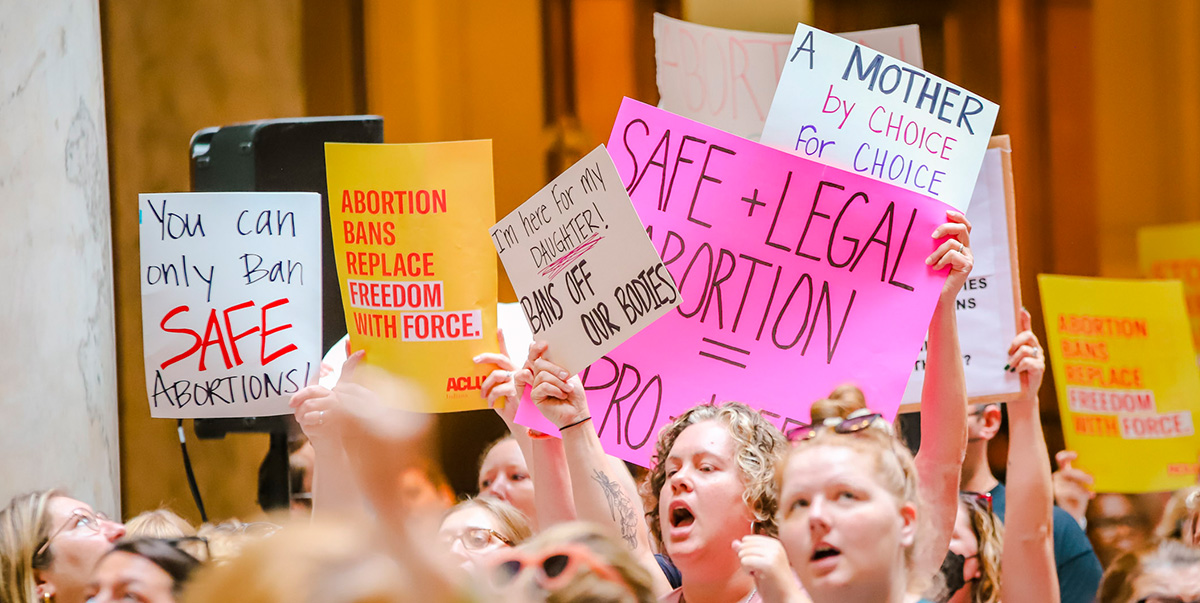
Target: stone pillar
58	387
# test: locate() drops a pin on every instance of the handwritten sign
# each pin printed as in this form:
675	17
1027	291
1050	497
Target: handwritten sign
587	276
1172	251
1128	388
858	109
796	277
414	262
231	301
988	303
725	78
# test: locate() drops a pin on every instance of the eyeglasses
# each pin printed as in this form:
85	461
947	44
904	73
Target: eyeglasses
79	517
853	424
983	498
258	529
553	568
1160	599
475	539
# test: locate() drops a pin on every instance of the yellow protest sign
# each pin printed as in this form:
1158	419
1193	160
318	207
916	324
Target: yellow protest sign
1173	252
415	264
1127	384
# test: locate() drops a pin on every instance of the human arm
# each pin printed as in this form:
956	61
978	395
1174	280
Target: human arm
943	402
1027	567
335	492
601	486
1072	486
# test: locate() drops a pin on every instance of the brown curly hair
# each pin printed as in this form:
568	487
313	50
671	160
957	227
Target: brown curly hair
759	447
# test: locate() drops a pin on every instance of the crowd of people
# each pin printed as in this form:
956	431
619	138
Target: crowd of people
731	510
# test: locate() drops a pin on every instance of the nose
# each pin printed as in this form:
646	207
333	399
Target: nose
112	530
499	488
818	518
681	481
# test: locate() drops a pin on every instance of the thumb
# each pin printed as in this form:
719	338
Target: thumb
500	340
1025	320
350	365
1065	457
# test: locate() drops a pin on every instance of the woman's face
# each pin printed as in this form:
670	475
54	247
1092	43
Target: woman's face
1183	583
122	576
700	506
505	476
455	533
839	525
78	540
964	542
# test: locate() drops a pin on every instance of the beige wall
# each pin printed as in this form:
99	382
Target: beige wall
171	69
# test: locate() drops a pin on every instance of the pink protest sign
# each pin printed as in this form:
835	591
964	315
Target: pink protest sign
796	277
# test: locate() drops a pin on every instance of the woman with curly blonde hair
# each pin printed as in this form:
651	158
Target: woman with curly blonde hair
971	573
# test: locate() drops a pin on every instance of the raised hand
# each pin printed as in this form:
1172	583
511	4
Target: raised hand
954	252
1025	357
557	394
500	389
764	559
1072	486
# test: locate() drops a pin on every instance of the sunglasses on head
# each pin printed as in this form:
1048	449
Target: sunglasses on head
552	569
983	498
855	423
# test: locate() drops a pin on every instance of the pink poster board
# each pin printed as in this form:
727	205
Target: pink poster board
795	277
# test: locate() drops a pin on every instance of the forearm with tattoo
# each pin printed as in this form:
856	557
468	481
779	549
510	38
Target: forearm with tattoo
620	506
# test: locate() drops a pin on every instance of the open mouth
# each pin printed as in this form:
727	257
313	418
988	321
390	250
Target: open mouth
681	517
824	551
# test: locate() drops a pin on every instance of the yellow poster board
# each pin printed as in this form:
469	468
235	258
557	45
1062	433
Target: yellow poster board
1172	251
415	265
1128	389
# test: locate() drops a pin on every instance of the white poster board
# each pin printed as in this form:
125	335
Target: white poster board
987	305
231	301
855	108
726	78
582	266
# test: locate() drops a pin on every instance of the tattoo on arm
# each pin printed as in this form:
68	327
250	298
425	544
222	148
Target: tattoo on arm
619	506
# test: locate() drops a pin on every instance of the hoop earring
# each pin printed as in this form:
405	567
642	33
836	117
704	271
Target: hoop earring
47	598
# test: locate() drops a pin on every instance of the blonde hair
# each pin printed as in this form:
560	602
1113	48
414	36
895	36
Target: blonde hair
587	586
989	533
331	563
1117	584
24	528
893	464
159	523
227	539
758	449
1184	504
512	523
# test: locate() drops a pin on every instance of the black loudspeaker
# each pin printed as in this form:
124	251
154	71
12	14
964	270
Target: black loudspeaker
278	155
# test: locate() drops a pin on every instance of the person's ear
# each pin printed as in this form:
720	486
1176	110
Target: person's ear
992	418
44	589
908	531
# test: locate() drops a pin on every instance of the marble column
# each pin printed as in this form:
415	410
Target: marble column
58	387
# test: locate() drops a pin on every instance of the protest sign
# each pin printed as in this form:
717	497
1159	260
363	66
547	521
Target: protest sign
1126	380
988	303
581	234
725	78
413	256
855	108
231	301
1172	251
795	277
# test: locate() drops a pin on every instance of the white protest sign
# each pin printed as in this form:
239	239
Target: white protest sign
851	107
726	78
585	272
988	302
231	301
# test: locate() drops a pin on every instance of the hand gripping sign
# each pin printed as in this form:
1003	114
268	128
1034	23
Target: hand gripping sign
858	109
795	277
231	301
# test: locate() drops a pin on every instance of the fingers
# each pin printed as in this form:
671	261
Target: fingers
1024	338
558	379
1083	478
1064	458
949	254
1024	320
545	366
350	365
308	393
494	379
1025	352
544	391
500	360
950	229
502	397
536	349
500	340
